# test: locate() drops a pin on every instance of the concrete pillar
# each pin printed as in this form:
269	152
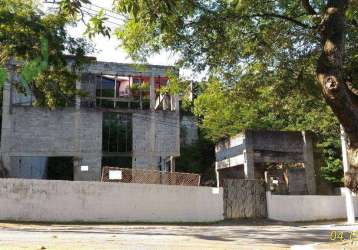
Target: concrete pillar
267	180
147	150
163	164
249	166
164	99
77	162
217	174
82	159
308	163
93	162
347	191
152	132
6	120
78	98
174	103
172	164
6	163
152	94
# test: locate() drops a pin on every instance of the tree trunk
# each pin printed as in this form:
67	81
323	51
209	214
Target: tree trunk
338	95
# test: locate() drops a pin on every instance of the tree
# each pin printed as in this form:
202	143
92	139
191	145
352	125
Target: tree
262	104
267	103
233	38
40	46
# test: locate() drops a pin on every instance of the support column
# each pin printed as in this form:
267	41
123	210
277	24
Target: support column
77	161
6	121
162	164
249	165
217	174
309	163
93	162
152	93
174	103
347	191
87	165
5	168
164	99
78	98
172	164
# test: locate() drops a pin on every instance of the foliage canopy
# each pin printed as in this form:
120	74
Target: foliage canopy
261	58
40	45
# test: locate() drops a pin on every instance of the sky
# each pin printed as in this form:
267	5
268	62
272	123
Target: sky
108	49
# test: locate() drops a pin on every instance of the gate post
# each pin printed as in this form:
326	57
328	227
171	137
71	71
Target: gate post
249	165
309	163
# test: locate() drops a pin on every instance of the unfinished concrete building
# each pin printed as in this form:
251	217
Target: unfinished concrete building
246	155
123	121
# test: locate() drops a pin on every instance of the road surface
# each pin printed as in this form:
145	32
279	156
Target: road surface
225	235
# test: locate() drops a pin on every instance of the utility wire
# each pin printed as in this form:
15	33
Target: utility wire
93	15
119	17
91	11
105	14
100	7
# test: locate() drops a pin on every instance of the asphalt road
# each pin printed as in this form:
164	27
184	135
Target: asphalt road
226	235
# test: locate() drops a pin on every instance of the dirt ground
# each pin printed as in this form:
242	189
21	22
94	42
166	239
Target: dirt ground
225	235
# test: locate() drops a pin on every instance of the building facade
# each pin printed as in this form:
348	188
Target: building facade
121	120
249	154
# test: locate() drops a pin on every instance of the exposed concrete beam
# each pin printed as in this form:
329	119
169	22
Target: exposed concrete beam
111	68
265	156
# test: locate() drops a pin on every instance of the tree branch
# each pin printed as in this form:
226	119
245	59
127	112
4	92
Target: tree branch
269	15
308	8
287	18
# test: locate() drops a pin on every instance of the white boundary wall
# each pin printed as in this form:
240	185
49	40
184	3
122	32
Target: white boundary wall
67	201
307	207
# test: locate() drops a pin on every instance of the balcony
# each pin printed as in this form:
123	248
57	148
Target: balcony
126	92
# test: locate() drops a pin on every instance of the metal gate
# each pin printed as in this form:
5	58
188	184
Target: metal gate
244	199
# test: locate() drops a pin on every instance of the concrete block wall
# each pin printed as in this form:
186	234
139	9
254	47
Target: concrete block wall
307	207
88	86
94	163
39	132
64	201
155	137
296	180
189	128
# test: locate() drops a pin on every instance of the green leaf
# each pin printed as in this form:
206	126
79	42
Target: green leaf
3	76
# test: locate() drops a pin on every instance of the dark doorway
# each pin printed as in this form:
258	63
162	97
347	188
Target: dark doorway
117	161
60	168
